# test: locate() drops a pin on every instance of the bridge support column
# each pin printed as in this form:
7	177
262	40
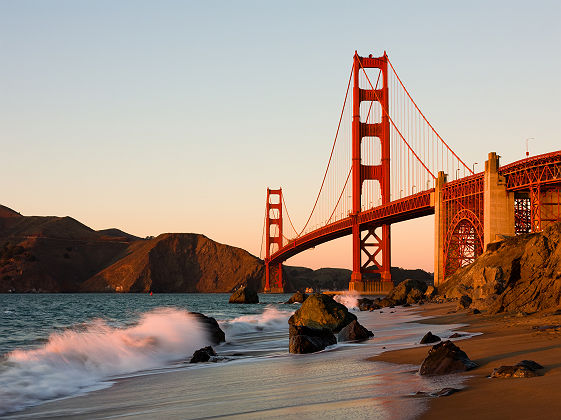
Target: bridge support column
439	228
273	221
498	204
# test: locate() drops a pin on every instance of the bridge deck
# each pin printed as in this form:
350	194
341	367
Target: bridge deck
407	208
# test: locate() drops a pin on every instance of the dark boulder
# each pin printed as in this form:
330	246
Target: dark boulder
523	369
216	334
386	303
322	311
457	335
354	332
365	304
445	358
244	295
203	355
476	311
297	297
400	292
430	338
414	296
309	340
464	302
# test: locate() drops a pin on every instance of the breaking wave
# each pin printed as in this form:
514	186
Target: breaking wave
81	359
270	320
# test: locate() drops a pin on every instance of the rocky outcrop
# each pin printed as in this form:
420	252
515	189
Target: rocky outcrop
518	274
297	297
464	302
309	340
365	304
445	358
203	355
523	369
409	291
354	332
212	328
244	294
429	338
322	311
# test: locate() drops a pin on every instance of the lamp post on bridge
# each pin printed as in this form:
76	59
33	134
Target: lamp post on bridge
473	170
527	149
457	173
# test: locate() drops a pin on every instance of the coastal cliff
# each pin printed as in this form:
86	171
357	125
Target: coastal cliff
521	273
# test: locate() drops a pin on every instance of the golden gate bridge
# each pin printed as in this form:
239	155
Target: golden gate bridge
388	164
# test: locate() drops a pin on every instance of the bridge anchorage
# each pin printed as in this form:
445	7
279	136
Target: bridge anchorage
388	164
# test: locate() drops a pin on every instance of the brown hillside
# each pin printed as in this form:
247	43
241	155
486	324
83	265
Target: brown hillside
179	262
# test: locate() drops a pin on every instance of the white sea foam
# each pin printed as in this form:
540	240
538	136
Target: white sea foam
349	299
75	360
270	320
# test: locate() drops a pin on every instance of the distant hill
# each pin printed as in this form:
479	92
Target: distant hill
60	254
179	262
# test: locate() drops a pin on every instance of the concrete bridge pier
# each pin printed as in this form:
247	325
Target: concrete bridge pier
498	210
439	228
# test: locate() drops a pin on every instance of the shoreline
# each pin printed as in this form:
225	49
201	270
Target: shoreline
336	383
505	339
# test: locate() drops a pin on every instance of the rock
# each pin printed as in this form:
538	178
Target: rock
406	305
513	372
464	302
203	355
297	297
400	292
444	358
216	334
309	340
414	296
429	338
365	304
530	364
456	335
476	311
322	311
430	292
444	392
386	302
519	274
354	332
244	295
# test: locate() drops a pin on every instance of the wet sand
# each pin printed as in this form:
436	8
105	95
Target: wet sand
505	340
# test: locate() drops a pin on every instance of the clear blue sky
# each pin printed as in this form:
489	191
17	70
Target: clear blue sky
158	116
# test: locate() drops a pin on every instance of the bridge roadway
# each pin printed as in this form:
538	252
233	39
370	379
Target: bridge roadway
539	170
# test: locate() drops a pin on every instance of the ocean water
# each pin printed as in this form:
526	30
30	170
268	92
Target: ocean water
56	346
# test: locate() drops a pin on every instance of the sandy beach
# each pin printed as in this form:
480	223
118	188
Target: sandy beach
504	340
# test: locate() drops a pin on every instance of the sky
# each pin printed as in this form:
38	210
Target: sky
175	116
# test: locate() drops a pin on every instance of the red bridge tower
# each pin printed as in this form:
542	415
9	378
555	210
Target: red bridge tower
371	244
273	221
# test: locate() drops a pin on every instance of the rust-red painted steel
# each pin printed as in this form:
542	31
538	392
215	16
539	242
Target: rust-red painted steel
361	173
407	208
273	219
